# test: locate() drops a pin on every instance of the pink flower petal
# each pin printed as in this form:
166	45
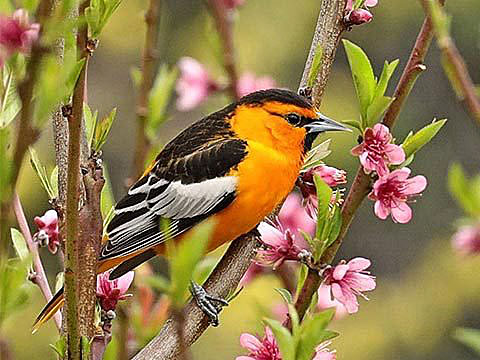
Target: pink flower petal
416	185
401	213
340	271
250	342
358	263
395	154
381	210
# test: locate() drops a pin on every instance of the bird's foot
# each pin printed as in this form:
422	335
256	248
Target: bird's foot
210	305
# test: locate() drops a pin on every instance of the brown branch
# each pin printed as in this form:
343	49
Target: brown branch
224	24
361	184
39	278
222	282
454	64
72	269
152	18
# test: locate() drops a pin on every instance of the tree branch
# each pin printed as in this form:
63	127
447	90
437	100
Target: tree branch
224	24
361	184
453	63
39	278
152	18
222	282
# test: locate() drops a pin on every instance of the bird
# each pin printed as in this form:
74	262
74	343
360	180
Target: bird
234	166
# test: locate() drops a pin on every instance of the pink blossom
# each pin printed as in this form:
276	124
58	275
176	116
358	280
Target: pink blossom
467	240
348	280
281	244
294	217
47	233
248	83
376	151
325	301
252	272
194	84
323	353
109	292
265	348
17	34
232	4
392	192
361	15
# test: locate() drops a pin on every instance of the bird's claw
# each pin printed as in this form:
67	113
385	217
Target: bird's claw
209	304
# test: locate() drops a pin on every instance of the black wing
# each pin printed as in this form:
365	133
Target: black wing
184	190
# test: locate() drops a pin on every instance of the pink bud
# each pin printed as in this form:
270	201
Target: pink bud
109	292
359	17
47	233
17	34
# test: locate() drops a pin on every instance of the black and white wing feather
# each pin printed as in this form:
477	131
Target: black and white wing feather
183	191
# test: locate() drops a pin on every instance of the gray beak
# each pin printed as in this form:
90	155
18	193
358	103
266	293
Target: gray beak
323	124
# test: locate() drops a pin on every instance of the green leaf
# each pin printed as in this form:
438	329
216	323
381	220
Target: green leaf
284	339
353	123
60	347
415	142
5	162
468	337
10	102
41	171
90	122
387	72
316	65
317	154
101	131
136	76
324	195
98	13
376	109
302	275
465	191
19	244
362	74
336	222
285	294
314	333
107	200
54	181
158	100
185	258
85	346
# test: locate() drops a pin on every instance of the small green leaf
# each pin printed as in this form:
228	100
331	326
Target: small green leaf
415	142
317	154
287	297
468	337
101	131
107	200
19	244
159	98
185	258
60	347
324	195
362	73
302	275
90	122
376	109
316	65
284	339
98	13
354	123
387	72
314	333
41	171
10	102
336	222
85	346
466	192
5	162
54	181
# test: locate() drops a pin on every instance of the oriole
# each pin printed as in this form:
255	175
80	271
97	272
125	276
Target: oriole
235	165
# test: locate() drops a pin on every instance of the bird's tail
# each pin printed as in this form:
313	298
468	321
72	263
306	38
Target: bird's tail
49	310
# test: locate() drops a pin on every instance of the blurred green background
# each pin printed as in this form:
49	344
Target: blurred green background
424	290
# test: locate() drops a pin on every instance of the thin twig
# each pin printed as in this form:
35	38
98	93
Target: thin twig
224	25
361	184
40	278
152	18
455	66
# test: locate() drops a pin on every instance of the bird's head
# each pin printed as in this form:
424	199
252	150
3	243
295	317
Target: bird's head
289	118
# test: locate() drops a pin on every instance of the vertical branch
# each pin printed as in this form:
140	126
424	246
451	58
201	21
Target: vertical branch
39	277
361	183
454	64
75	119
224	24
152	17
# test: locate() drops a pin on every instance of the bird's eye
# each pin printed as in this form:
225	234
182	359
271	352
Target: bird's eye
294	119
